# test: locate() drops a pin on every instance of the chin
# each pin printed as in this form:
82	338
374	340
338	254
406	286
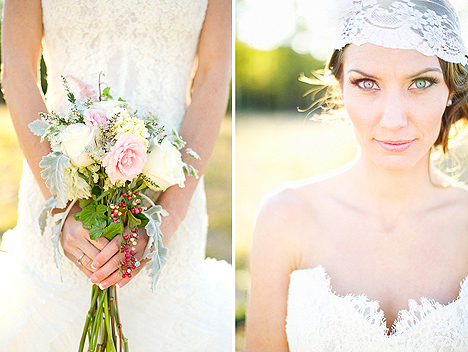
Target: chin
403	161
396	163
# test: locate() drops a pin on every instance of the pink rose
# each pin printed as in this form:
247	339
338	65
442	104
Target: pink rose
94	117
125	159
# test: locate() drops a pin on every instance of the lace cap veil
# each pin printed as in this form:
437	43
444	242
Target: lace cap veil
431	27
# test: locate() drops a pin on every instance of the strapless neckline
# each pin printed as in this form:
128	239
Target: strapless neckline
371	310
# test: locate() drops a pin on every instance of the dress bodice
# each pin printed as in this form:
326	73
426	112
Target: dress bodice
320	320
145	48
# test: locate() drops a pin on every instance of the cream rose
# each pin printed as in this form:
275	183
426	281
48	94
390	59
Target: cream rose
75	138
164	165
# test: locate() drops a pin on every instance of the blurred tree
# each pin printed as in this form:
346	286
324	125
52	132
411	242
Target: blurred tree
269	80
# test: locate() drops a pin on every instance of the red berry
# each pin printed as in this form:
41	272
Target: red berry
129	275
137	193
132	252
115	218
130	197
124	195
134	230
124	205
127	250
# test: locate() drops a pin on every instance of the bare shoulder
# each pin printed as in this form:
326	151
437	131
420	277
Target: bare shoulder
291	210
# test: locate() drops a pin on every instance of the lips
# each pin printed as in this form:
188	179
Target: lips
397	146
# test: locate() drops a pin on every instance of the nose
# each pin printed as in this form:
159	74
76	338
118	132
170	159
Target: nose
393	114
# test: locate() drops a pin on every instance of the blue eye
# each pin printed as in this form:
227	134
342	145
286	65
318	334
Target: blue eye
422	83
367	84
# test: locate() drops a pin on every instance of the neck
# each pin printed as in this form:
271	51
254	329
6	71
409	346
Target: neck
395	190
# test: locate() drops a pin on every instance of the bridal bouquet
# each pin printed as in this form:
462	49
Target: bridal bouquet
106	155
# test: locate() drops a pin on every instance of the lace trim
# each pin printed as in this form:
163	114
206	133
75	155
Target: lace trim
431	27
321	320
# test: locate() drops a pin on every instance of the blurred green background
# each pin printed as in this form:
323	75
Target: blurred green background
277	138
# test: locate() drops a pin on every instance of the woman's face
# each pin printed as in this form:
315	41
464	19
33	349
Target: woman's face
395	99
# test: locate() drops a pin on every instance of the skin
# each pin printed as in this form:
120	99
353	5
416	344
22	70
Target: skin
400	234
21	49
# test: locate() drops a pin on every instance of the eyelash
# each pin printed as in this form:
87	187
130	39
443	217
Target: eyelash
430	80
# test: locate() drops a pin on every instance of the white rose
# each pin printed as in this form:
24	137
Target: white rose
75	138
164	165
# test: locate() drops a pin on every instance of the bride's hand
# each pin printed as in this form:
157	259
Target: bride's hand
106	264
77	245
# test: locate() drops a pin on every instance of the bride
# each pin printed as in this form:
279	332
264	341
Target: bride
374	256
150	51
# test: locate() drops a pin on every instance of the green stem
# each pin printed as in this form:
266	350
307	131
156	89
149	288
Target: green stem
88	318
119	324
97	319
112	310
110	342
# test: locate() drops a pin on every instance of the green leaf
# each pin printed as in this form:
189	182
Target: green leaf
71	98
77	216
105	93
113	230
85	202
132	220
95	232
93	216
144	220
96	191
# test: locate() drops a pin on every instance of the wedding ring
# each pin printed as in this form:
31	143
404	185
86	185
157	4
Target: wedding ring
79	259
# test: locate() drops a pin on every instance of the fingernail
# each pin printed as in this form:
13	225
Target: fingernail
93	279
103	285
94	266
118	284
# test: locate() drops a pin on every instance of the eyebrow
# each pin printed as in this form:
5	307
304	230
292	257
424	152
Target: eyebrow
429	69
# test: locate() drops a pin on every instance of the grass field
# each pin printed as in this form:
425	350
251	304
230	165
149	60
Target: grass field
218	178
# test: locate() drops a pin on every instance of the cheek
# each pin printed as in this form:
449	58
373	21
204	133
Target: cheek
363	113
427	118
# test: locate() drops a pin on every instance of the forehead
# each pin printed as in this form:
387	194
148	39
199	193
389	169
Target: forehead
377	59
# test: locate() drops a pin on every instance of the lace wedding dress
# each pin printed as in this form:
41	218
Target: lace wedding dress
319	320
146	48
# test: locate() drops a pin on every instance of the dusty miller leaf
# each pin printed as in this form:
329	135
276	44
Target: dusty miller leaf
38	127
48	206
155	249
53	165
